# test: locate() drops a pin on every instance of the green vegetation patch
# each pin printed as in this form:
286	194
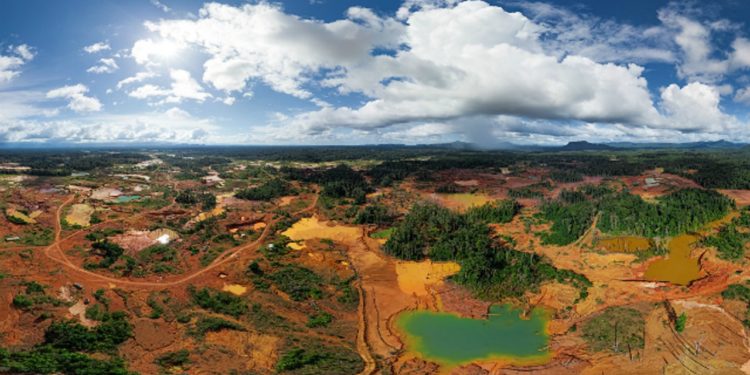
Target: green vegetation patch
37	237
616	329
678	212
569	221
376	213
191	198
33	296
298	282
218	301
322	319
50	360
729	243
492	270
382	234
213	324
624	213
269	190
109	251
319	359
113	330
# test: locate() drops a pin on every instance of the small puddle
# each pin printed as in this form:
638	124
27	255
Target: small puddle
127	198
451	340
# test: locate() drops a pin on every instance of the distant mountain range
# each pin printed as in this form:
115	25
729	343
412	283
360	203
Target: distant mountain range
720	144
585	146
588	146
458	145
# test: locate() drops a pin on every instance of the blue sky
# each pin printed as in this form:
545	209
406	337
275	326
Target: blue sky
353	72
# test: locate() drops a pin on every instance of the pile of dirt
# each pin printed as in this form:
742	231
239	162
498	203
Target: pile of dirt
153	334
105	193
134	241
255	350
80	214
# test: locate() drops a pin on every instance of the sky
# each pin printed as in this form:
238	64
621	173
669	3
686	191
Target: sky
367	71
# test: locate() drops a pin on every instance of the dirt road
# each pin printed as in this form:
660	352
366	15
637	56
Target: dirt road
56	254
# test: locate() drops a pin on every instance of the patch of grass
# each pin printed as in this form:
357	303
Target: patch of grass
266	320
322	319
213	324
42	237
210	255
616	329
218	301
96	312
382	234
319	359
156	309
33	296
298	282
348	296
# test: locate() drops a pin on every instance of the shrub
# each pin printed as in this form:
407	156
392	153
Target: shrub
22	301
213	324
298	282
679	324
322	319
218	301
172	359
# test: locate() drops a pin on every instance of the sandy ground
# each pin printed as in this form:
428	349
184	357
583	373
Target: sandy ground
80	214
742	197
416	277
312	227
235	289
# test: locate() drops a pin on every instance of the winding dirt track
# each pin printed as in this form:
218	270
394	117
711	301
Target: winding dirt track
55	253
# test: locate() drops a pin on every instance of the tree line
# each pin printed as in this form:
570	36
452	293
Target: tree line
489	268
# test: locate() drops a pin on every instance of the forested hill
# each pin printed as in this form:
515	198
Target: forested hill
624	213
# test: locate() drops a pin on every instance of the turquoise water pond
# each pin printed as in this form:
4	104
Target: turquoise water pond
450	339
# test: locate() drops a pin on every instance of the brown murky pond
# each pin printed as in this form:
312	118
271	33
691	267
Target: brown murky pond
679	267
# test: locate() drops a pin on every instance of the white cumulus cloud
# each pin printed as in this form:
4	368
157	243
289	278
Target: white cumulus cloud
183	87
138	77
10	64
105	65
260	41
76	97
97	47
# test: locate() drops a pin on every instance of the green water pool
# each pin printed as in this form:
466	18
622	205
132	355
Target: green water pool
452	340
127	198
